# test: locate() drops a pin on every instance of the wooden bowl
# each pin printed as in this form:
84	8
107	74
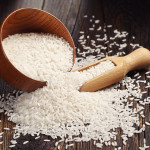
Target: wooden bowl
22	21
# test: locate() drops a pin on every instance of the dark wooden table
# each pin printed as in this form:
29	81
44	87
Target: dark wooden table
132	16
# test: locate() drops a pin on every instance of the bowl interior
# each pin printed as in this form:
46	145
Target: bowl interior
22	21
34	20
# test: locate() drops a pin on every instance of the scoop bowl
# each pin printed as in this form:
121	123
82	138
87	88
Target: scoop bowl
27	20
138	59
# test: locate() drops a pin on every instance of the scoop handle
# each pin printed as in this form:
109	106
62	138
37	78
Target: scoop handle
138	59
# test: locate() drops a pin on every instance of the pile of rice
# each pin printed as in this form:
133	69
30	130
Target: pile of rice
59	109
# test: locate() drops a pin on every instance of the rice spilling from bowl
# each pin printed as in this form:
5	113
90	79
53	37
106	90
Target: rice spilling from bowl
59	109
37	54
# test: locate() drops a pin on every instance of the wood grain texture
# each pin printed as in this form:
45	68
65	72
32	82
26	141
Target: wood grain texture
131	16
90	8
7	6
125	15
68	11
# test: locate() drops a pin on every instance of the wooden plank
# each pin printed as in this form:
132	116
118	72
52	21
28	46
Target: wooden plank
66	11
131	16
90	8
7	6
67	14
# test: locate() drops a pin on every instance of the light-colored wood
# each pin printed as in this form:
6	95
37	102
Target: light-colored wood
28	20
138	59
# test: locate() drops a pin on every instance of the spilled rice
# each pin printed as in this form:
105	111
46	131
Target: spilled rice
59	109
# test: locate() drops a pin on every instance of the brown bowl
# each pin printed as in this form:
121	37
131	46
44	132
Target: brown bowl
22	21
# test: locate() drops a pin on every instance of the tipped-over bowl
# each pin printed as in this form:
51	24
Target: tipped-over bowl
27	20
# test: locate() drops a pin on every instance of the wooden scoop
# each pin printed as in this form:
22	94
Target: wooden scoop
138	59
22	21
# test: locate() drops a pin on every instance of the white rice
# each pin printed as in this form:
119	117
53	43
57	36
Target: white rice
12	146
37	137
60	109
85	16
97	21
13	142
46	140
25	142
6	128
31	48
